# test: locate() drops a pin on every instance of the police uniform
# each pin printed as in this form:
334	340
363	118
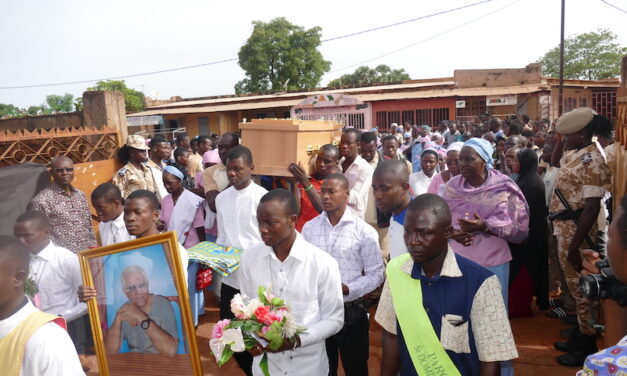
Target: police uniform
130	178
583	174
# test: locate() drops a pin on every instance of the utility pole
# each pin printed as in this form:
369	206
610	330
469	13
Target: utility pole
560	106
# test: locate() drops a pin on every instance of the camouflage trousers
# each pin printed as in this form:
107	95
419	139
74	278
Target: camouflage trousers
586	309
557	283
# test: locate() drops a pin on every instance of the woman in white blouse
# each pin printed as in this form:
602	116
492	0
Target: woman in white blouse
419	181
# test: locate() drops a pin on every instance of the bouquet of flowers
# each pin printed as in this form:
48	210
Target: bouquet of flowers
265	321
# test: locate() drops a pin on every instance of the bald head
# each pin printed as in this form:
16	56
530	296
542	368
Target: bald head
392	170
61	159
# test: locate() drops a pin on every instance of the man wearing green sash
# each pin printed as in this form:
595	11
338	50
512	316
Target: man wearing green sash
442	314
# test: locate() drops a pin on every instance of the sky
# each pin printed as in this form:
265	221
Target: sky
72	40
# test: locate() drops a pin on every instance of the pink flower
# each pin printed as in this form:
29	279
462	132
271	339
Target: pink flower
218	328
239	308
261	312
265	329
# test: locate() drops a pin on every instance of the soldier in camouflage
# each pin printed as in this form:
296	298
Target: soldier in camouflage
583	179
135	174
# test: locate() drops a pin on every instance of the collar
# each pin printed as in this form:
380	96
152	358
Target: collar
358	161
450	268
118	222
400	217
46	253
348	216
297	251
57	188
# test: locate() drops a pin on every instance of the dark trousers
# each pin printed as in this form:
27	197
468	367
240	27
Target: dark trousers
243	359
80	333
351	343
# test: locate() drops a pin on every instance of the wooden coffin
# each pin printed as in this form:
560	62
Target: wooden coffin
277	142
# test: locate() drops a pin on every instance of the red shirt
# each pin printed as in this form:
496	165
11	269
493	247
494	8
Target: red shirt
307	210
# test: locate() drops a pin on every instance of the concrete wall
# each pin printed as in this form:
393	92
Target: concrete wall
30	123
532	73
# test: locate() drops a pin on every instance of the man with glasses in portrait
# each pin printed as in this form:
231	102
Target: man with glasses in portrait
146	321
66	208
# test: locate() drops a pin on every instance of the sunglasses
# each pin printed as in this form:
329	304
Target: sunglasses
62	170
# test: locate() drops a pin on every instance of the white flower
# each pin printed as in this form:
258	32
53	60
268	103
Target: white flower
230	337
252	305
239	308
289	326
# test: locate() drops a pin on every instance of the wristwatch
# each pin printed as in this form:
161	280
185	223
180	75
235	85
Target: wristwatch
146	323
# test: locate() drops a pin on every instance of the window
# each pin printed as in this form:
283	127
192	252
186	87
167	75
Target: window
382	119
408	116
393	117
604	103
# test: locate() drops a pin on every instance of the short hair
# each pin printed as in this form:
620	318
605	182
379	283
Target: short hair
241	151
390	138
368	137
527	133
203	138
396	167
330	148
178	152
354	131
133	269
157	140
180	138
432	151
150	197
515	126
109	191
193	141
60	158
436	204
40	219
339	177
283	196
11	248
234	136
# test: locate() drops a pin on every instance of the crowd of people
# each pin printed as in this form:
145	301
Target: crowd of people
451	230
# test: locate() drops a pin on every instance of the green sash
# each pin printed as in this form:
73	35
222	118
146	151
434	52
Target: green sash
424	347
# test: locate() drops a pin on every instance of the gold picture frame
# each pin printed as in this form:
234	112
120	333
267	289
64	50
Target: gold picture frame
105	268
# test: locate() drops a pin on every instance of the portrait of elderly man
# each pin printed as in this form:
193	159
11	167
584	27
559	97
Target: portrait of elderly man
146	321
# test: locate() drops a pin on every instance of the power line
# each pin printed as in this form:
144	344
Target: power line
614	6
427	39
235	59
407	21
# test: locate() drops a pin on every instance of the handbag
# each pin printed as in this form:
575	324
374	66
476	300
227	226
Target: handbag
204	276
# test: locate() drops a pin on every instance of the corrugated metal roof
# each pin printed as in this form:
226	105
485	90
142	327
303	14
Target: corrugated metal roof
396	95
303	94
217	108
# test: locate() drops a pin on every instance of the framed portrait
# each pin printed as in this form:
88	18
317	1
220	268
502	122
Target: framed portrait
141	319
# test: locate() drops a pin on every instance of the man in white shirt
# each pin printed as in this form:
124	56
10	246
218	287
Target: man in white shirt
57	274
356	169
307	278
107	201
31	342
355	246
390	183
236	209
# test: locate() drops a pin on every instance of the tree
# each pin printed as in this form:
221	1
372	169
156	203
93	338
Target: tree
9	111
60	103
587	56
37	110
364	76
280	56
134	99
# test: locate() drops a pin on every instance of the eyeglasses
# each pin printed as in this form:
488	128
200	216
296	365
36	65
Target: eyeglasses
62	170
137	288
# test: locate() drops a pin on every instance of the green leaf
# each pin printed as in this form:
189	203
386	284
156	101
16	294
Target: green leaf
263	364
261	292
274	335
227	354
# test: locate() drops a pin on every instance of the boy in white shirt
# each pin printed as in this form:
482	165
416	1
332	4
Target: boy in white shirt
107	201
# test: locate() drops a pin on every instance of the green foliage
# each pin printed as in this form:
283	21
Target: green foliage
275	335
38	110
364	76
134	99
587	56
281	56
9	111
30	287
263	364
60	103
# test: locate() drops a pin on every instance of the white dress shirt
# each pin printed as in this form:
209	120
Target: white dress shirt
354	244
114	231
309	282
49	351
359	175
237	220
57	273
396	233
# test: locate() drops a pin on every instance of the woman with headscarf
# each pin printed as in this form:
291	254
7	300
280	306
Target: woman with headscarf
419	181
182	212
488	211
528	274
452	163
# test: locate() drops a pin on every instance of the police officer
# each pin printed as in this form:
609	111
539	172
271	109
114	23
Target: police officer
135	174
582	181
